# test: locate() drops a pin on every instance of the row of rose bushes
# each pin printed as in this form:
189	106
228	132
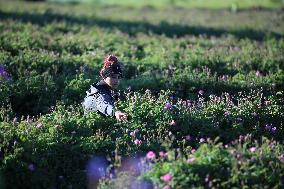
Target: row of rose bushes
26	52
45	64
36	51
243	164
36	93
41	151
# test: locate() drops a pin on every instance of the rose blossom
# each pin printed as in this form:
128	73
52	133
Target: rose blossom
190	160
162	154
252	149
150	155
166	187
137	142
166	178
173	123
167	106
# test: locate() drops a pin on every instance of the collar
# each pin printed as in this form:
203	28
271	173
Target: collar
105	85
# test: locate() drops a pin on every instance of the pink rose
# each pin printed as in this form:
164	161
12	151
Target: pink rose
252	149
188	137
166	187
258	73
201	140
167	106
190	160
137	142
162	154
166	178
173	123
150	155
39	125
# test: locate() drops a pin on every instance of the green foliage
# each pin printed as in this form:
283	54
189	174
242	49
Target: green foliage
246	164
190	76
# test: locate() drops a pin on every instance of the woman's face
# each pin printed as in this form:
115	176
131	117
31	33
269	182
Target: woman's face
112	80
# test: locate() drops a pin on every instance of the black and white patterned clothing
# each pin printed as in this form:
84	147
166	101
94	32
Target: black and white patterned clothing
100	98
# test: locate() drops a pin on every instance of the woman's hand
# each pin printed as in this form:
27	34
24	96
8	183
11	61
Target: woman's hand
120	116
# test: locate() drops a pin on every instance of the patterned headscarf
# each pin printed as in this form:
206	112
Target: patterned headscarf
111	65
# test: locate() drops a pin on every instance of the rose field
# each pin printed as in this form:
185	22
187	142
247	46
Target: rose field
202	87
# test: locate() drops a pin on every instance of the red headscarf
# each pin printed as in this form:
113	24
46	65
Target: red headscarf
111	65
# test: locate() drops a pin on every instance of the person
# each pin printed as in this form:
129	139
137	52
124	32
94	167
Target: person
101	96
